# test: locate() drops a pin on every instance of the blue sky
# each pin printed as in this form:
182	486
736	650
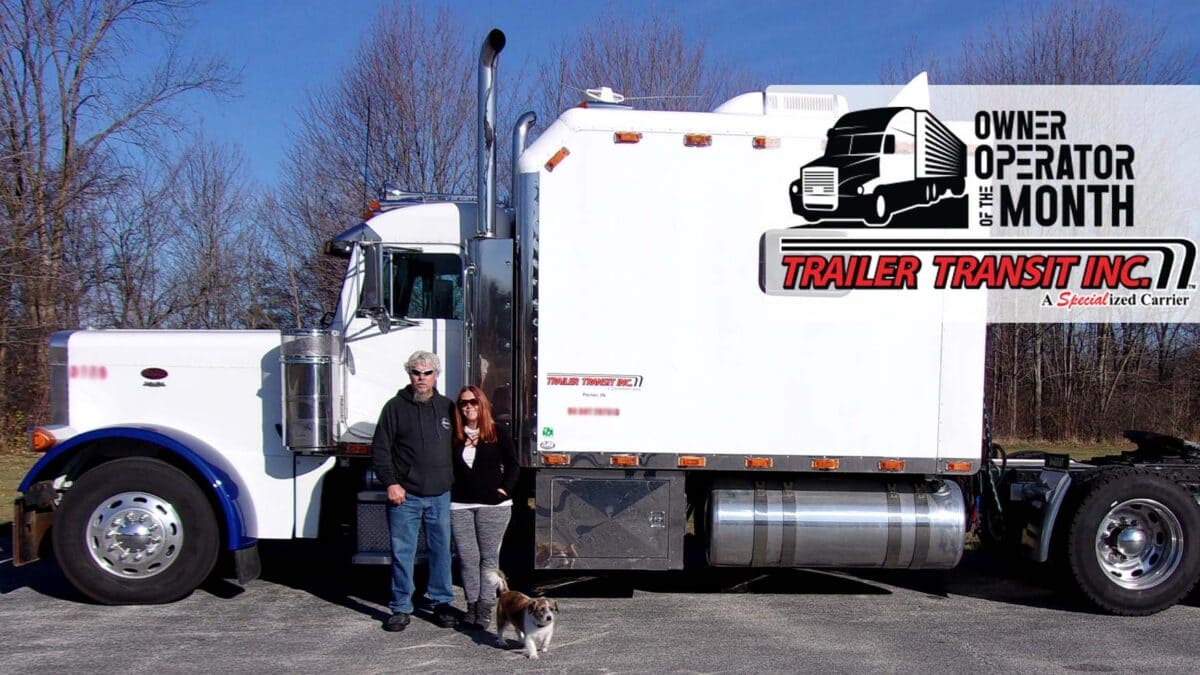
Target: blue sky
285	49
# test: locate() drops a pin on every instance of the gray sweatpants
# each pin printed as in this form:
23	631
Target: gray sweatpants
478	533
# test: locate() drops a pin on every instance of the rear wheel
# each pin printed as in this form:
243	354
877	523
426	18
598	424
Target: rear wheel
1134	544
135	531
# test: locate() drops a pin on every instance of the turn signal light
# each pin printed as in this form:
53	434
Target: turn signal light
555	459
623	460
357	449
558	157
627	136
825	464
692	462
764	142
41	440
697	140
759	462
959	466
891	465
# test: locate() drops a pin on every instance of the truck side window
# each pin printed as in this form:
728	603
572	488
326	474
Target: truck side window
423	285
889	145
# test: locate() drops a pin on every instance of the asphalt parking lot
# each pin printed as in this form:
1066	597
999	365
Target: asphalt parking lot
310	613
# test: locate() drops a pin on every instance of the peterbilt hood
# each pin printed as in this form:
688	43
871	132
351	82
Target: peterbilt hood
853	170
208	379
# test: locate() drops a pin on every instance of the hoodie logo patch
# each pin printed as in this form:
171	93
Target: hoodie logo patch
446	423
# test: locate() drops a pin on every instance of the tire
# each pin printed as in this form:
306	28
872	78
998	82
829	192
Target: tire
878	211
164	528
1133	547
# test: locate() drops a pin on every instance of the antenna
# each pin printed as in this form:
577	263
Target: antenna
366	151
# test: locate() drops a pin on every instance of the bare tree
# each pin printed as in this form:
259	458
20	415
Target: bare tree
1073	42
647	57
1040	376
69	116
401	113
1064	42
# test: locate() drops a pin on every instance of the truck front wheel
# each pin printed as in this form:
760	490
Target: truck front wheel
1134	545
135	531
878	211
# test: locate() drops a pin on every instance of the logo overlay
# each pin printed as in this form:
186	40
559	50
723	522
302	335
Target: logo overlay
1057	204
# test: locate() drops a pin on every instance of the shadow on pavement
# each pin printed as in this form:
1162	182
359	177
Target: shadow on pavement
42	576
324	571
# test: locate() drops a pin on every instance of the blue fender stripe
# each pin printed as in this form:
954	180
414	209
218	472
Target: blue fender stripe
237	507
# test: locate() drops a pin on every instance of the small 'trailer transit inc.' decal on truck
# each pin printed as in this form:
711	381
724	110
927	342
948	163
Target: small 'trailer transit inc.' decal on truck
593	380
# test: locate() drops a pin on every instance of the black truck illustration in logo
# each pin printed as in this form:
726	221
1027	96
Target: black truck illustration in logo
880	162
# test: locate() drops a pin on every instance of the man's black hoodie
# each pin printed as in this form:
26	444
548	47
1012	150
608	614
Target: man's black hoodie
412	443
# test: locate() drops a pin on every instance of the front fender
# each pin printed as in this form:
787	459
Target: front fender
236	505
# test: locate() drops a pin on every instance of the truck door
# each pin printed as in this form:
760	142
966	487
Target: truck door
422	291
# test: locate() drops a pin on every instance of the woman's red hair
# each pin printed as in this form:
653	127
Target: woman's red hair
487	426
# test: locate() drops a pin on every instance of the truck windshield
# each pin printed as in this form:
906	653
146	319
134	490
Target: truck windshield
423	285
854	144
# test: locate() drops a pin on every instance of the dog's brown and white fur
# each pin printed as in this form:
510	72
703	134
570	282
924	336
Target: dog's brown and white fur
532	618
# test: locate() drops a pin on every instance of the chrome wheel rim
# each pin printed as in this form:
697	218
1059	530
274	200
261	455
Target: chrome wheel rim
134	535
1139	544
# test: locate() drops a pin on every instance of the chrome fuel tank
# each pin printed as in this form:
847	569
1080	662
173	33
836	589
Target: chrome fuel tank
836	522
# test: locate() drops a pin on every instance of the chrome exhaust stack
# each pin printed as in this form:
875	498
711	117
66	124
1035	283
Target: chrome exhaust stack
489	55
520	135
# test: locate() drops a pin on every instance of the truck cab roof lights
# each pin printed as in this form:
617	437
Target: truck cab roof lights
825	464
557	158
41	440
764	142
697	140
627	136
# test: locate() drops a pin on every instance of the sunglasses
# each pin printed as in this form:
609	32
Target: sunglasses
468	401
426	373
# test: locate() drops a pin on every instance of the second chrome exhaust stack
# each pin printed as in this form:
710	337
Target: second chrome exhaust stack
489	55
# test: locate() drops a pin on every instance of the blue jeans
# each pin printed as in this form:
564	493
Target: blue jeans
404	522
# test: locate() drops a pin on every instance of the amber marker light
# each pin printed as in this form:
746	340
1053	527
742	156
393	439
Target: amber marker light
759	462
627	136
557	158
764	142
697	140
555	459
825	464
958	466
692	462
623	460
891	465
357	449
41	440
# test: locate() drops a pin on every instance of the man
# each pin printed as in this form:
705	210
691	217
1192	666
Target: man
412	453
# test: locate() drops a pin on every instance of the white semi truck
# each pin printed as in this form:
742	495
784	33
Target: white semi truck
615	312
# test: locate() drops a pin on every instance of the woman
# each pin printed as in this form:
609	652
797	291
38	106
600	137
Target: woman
485	473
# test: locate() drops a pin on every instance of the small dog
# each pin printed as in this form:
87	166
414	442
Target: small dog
532	618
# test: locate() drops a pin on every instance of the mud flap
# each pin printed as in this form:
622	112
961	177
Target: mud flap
29	530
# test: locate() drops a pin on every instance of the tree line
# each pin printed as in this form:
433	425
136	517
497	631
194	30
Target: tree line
113	213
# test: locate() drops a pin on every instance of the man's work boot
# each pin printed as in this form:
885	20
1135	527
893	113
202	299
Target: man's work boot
445	615
396	622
